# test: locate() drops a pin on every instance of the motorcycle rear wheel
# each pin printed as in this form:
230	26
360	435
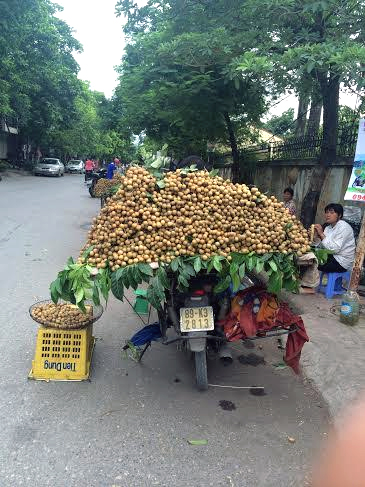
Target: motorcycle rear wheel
201	370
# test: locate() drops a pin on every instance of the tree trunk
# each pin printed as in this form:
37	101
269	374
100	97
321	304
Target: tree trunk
234	149
330	89
311	199
302	115
315	113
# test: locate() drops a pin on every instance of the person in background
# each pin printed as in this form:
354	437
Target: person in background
288	201
89	167
110	171
337	236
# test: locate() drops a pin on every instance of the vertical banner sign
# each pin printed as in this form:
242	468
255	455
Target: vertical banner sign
356	188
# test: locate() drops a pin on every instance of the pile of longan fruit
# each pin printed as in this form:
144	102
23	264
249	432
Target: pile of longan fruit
194	214
103	186
63	315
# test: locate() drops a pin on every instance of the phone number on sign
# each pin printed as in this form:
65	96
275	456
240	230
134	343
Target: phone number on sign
358	197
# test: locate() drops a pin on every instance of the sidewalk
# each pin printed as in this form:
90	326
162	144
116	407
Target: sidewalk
333	360
10	173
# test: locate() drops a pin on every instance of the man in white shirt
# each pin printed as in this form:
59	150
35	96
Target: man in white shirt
338	236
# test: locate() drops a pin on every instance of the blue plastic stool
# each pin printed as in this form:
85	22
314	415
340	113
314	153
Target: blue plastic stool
330	289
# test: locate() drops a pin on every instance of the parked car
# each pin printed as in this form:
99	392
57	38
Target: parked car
75	166
49	166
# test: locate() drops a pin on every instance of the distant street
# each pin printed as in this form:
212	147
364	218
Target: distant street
130	424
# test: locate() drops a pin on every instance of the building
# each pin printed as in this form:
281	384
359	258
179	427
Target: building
8	138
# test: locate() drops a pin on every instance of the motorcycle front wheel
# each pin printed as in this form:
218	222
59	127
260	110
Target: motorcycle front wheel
201	370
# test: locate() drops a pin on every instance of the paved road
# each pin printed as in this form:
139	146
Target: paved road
130	424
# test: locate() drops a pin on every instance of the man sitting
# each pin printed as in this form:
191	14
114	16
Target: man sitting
338	237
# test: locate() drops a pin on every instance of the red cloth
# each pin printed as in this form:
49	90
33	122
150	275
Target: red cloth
243	322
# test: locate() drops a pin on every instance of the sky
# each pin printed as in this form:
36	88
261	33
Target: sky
100	32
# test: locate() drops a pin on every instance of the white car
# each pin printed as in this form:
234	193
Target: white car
75	166
49	166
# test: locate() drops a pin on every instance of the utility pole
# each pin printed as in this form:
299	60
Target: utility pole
359	258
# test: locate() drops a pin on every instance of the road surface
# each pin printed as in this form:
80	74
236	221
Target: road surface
130	424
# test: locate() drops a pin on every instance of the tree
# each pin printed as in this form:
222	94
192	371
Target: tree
38	72
282	125
322	39
174	81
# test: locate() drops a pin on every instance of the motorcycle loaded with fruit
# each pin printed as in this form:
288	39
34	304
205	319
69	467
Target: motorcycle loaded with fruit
192	240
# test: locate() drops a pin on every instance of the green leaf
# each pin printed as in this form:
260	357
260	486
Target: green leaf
233	269
175	264
273	265
210	265
217	264
197	264
259	265
79	295
81	305
145	269
236	282
95	296
129	274
223	285
275	282
238	258
86	253
182	281
157	163
58	286
198	442
250	263
125	277
117	285
161	183
152	298
187	270
242	271
70	261
310	66
54	293
162	276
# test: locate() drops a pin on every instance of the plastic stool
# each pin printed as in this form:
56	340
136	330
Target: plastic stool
330	289
141	305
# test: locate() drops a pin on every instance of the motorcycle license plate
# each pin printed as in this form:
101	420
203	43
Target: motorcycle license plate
196	319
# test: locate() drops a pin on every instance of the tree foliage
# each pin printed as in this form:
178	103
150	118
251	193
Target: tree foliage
311	43
39	87
174	81
38	73
281	125
200	52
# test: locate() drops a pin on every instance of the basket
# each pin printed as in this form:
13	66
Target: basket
97	311
63	355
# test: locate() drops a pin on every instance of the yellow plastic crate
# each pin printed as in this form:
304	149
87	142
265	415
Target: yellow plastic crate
62	354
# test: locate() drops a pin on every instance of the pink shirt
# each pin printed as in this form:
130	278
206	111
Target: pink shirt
89	165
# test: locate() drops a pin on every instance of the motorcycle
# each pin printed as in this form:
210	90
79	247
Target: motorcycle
92	179
194	315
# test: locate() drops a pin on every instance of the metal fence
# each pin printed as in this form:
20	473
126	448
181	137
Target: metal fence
306	147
